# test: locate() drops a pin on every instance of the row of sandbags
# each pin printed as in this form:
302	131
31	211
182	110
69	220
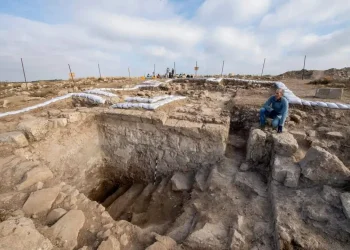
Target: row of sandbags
150	106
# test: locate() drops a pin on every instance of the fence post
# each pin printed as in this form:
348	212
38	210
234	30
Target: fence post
302	77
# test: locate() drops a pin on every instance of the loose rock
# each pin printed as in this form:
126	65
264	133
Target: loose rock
55	215
35	175
20	233
40	201
68	227
323	167
110	244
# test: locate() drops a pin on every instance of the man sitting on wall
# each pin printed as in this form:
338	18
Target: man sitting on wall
275	108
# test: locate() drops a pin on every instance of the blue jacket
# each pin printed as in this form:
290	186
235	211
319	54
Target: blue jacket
279	106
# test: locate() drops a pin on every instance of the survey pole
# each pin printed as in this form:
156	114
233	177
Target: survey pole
262	71
99	70
302	77
24	73
71	75
222	69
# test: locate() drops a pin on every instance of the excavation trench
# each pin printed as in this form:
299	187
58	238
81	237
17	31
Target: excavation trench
173	177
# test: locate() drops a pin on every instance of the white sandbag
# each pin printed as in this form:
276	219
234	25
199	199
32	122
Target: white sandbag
100	92
36	106
322	104
332	105
342	106
305	103
94	98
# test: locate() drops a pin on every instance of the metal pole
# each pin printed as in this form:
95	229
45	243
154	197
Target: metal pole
222	70
262	71
154	70
24	73
99	70
196	70
302	77
129	71
71	73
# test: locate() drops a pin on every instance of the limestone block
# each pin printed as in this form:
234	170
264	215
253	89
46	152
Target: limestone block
284	144
15	138
323	167
331	195
345	201
35	129
329	93
182	181
53	112
284	170
40	201
211	235
20	233
33	176
251	182
256	146
72	117
335	135
55	215
59	122
67	228
110	244
300	136
122	202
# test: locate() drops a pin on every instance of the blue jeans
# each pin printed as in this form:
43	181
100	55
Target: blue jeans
267	114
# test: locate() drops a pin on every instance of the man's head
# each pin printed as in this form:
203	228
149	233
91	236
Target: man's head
279	93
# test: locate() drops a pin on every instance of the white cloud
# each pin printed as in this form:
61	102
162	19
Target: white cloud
232	11
140	33
311	12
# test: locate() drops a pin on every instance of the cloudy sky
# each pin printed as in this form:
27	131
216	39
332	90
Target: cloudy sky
117	34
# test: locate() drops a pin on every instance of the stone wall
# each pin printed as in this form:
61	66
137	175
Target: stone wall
134	142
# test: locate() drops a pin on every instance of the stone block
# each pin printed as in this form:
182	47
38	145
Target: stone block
284	170
20	233
345	201
33	176
323	167
15	138
256	146
35	129
40	201
329	93
182	181
67	229
251	182
284	144
55	215
300	136
335	135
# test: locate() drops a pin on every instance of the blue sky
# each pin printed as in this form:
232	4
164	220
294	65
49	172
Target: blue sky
49	34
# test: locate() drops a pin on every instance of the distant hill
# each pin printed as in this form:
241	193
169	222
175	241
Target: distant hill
335	74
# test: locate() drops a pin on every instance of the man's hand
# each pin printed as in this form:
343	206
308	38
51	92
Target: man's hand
279	130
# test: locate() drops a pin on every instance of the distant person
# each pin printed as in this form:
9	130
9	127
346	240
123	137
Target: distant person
148	75
172	73
276	108
188	76
158	76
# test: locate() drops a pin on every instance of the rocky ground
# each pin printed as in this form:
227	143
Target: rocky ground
266	191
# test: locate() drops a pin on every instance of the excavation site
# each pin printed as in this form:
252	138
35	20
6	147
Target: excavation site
107	164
